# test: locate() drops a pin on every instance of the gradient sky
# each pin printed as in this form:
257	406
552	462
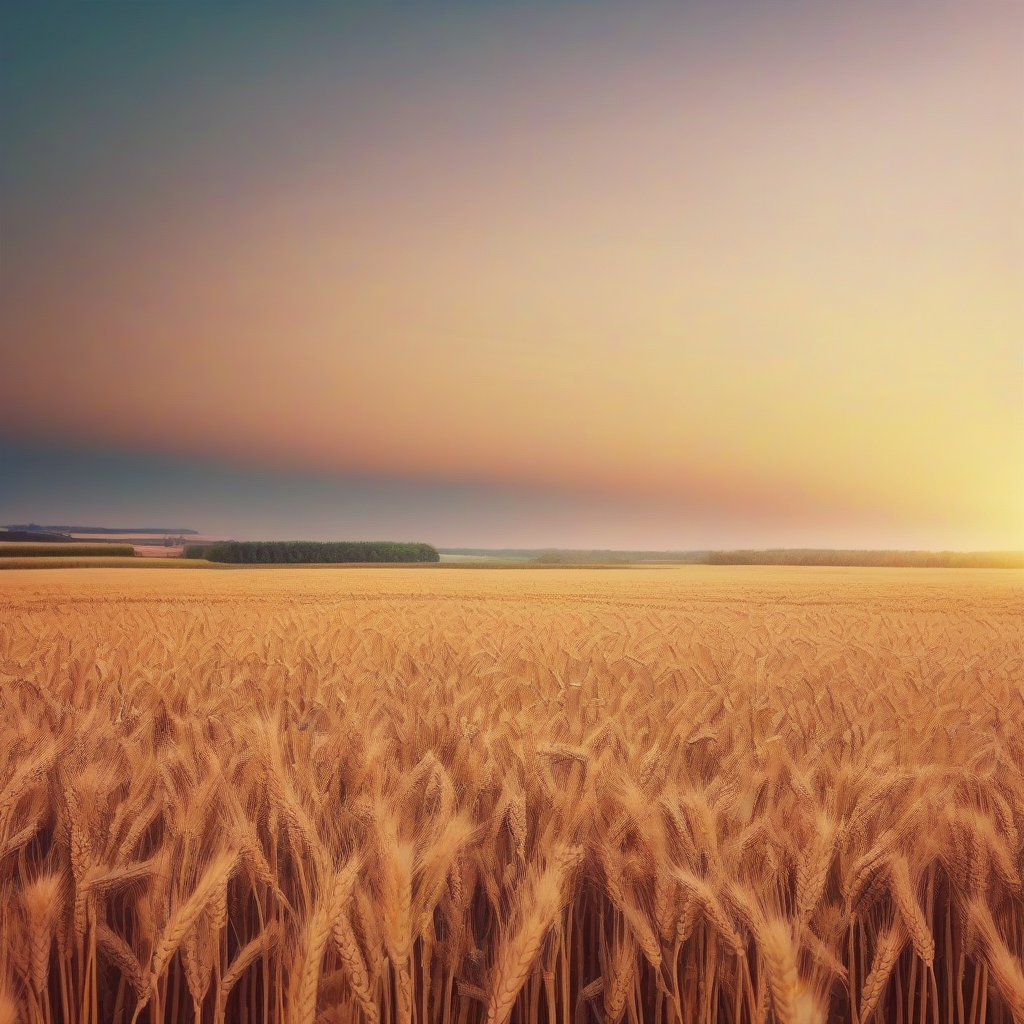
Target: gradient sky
577	273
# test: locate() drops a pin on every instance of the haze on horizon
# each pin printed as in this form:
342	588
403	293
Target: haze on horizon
568	274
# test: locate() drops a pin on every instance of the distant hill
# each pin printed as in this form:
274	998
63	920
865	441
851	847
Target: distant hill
34	537
35	529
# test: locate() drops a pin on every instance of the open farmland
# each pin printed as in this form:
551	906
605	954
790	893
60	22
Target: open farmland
456	796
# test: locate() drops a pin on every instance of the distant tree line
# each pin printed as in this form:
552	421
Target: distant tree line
791	556
883	559
253	552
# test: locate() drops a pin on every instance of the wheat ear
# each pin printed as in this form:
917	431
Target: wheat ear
913	917
887	950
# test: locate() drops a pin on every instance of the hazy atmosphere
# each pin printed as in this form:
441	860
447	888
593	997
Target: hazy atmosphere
575	274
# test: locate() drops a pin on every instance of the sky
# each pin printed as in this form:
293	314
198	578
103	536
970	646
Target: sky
573	273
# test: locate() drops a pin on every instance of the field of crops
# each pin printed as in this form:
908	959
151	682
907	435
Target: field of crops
456	796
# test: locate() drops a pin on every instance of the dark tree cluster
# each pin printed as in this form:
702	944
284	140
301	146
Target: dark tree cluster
304	551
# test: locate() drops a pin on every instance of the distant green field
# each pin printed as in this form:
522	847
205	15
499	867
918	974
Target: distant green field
26	550
133	563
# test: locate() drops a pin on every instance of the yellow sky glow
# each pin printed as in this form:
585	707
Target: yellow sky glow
788	280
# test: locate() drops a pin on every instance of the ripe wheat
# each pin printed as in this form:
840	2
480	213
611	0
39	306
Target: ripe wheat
560	797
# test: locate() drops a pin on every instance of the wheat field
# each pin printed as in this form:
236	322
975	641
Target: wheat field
457	796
